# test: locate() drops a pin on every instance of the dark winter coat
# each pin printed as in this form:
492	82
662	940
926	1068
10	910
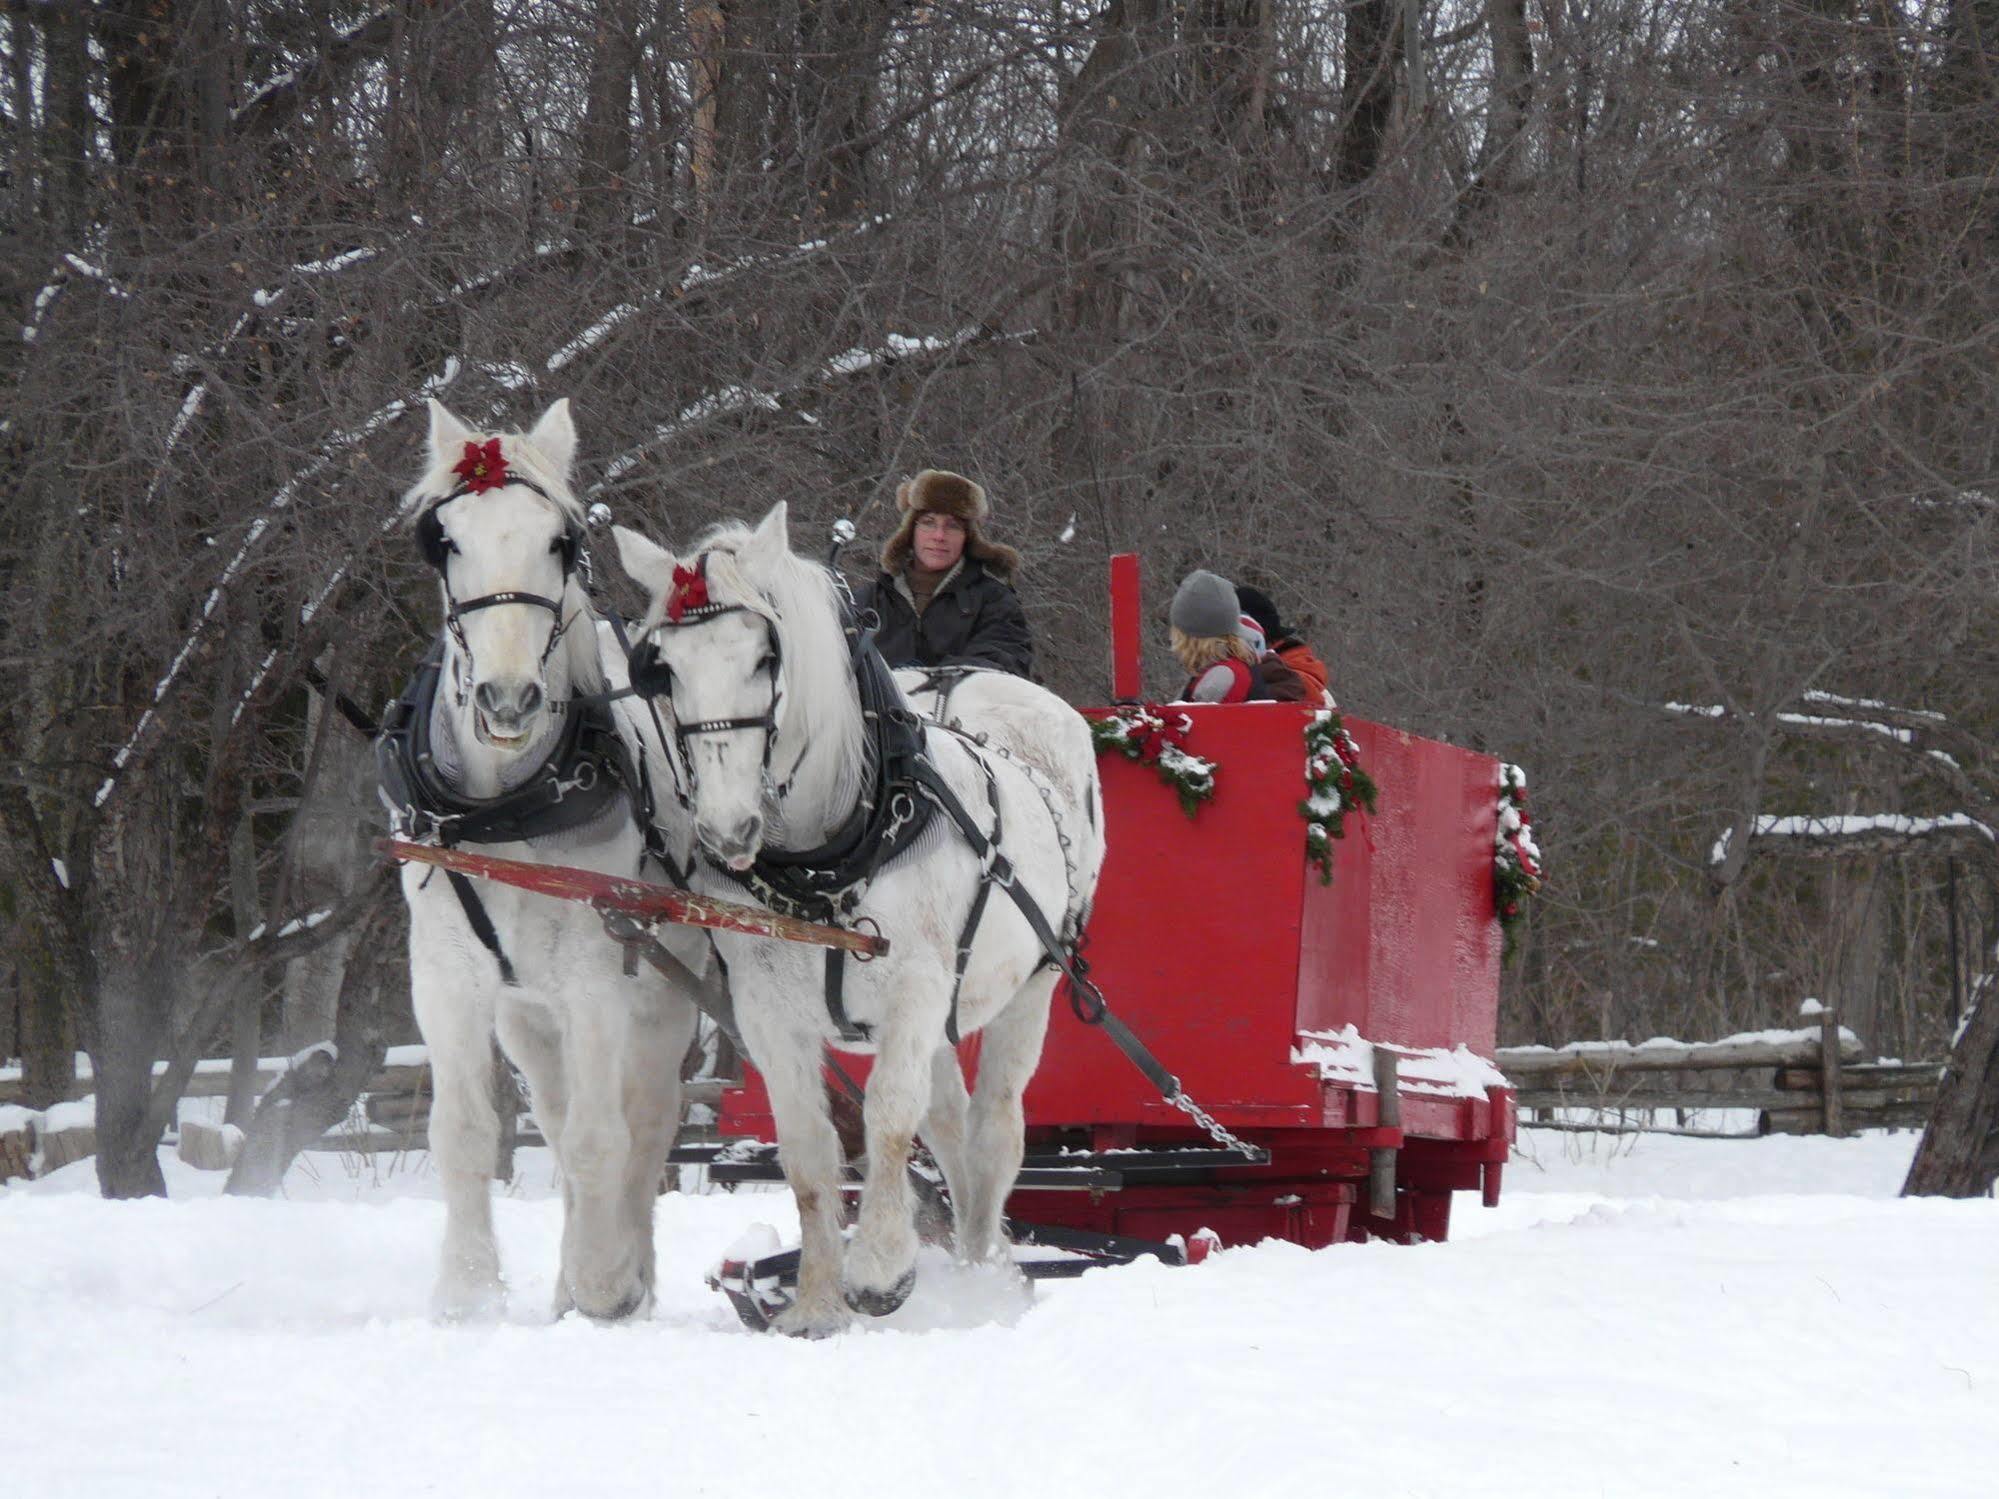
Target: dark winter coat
974	619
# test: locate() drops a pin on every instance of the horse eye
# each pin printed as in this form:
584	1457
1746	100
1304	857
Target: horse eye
767	662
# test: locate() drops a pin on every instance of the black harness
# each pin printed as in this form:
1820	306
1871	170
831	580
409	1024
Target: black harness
824	883
586	771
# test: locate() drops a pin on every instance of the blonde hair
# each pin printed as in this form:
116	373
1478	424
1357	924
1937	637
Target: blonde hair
1196	653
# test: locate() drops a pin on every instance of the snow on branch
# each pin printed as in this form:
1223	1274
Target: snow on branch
732	399
1872	705
357	39
331	449
1816	837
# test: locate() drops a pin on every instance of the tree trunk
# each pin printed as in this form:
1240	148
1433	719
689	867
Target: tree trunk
317	1093
329	860
131	1032
1959	1153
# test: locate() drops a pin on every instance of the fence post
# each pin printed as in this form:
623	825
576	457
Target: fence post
1829	1071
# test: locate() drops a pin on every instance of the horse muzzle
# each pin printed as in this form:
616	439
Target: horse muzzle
507	711
738	848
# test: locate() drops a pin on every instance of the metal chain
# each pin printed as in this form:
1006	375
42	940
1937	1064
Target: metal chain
1215	1130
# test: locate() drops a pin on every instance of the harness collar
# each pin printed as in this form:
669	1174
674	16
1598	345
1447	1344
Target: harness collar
586	770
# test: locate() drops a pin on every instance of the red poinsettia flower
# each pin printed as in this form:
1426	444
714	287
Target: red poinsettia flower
690	591
482	468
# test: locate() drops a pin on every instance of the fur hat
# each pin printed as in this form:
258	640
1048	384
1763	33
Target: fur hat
1205	605
945	493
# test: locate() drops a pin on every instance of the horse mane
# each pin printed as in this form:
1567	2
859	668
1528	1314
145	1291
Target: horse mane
800	601
580	646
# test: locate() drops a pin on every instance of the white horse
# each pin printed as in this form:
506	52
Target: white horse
748	646
506	734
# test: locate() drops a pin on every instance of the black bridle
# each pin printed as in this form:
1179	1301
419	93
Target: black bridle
437	548
653	679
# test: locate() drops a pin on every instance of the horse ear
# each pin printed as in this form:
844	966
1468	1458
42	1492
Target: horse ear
555	436
772	537
448	435
649	564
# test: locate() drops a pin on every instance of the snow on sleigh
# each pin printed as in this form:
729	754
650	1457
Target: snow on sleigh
1334	1032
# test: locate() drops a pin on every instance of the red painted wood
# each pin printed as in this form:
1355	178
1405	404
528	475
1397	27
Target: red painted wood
1214	940
609	892
1125	682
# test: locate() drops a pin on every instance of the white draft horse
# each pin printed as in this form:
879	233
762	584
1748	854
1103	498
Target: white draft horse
509	739
780	745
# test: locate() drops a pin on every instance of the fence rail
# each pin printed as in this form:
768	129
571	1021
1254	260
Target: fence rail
1803	1082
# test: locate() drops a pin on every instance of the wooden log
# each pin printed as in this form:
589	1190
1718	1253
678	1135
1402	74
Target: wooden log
1760	1100
1687	1099
1811	1121
1909	1075
17	1150
209	1147
65	1147
1607	1058
1829	1090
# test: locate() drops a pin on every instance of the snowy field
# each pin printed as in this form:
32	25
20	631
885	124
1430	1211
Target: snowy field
1667	1317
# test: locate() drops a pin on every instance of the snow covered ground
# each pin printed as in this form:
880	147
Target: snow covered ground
1652	1317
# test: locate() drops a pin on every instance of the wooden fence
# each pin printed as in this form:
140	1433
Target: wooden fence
1805	1082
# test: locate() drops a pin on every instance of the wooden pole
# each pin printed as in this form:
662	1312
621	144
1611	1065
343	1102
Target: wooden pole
1125	680
1835	1124
640	898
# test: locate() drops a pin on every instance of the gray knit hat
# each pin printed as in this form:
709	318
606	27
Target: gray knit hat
1205	605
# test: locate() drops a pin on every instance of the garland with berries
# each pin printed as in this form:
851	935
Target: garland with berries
1145	735
1516	859
1334	782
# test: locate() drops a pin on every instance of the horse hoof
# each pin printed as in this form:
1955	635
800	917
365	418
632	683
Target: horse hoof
797	1322
634	1302
881	1303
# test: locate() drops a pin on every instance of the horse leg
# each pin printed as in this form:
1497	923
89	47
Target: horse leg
661	1034
533	1043
944	1123
881	1260
1009	1051
808	1148
457	1026
601	1260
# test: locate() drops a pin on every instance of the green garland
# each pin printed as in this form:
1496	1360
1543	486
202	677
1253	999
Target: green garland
1334	781
1144	735
1516	859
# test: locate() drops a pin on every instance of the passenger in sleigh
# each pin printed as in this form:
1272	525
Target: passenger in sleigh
1223	650
1283	641
945	592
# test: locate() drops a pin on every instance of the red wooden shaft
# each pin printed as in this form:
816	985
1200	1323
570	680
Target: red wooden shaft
1125	684
635	897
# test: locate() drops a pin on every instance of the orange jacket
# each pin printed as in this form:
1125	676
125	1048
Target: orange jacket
1302	659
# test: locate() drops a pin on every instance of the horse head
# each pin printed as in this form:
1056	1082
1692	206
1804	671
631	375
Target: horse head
746	644
495	517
